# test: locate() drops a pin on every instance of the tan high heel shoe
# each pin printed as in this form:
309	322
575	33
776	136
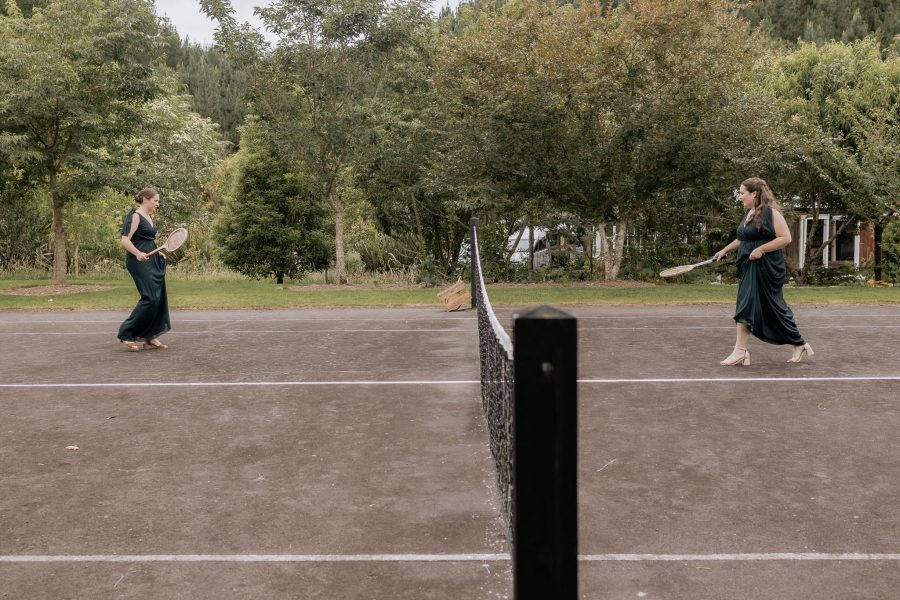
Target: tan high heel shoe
155	344
805	350
738	357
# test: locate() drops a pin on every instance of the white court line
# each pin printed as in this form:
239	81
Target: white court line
854	556
731	327
220	332
236	383
738	379
464	318
314	558
332	558
666	380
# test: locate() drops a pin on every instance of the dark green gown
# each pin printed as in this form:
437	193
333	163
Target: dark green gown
150	317
760	302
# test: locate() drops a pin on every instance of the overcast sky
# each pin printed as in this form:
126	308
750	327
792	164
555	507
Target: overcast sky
193	24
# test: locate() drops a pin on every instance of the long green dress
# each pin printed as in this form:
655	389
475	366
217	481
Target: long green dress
150	317
760	301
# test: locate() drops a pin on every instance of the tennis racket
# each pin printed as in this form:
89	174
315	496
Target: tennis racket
673	271
173	242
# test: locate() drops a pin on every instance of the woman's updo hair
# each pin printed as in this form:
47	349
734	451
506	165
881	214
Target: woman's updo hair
145	194
764	198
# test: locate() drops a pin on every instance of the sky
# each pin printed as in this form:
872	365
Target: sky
193	24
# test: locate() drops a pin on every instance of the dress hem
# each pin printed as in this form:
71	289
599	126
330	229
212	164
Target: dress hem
762	339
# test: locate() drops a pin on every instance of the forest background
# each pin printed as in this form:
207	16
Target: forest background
361	143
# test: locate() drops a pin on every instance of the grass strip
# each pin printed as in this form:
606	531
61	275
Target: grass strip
233	293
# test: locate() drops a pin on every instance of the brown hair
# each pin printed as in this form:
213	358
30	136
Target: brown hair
764	198
145	194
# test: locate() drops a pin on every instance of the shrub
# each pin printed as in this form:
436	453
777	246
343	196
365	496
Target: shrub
890	253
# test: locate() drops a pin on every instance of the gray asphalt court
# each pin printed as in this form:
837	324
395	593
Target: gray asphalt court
342	454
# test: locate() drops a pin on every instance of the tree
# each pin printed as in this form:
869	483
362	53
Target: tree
216	87
73	77
274	223
176	152
841	105
610	110
399	167
822	21
313	87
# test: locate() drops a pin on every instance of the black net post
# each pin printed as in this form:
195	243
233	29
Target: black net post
473	231
545	552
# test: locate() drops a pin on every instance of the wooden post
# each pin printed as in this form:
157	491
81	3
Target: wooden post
545	549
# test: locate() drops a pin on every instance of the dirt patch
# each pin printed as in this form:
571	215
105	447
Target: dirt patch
619	283
332	287
55	290
544	284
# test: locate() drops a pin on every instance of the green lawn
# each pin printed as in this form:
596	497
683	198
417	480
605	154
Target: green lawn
234	293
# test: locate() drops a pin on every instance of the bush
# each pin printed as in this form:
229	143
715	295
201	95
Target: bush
382	253
890	253
836	275
429	272
24	231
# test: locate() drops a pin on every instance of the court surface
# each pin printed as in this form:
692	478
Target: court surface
342	454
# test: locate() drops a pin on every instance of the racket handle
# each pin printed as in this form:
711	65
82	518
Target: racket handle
152	252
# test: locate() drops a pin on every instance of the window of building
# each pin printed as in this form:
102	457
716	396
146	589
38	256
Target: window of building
844	245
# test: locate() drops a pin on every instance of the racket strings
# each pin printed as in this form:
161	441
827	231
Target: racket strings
671	272
176	239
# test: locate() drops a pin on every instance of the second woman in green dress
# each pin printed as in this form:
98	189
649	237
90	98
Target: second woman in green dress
761	309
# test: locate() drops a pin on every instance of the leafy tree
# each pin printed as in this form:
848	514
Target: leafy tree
608	111
26	7
216	87
93	227
176	151
399	168
822	21
313	87
841	105
73	77
274	224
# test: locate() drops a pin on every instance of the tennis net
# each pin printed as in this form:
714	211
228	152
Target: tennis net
497	385
529	395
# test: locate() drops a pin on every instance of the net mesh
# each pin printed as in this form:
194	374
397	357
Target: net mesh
496	353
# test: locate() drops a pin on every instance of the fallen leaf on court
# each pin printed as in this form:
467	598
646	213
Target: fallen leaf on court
72	448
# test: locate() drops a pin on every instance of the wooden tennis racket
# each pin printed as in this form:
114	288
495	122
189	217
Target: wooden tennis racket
175	240
673	271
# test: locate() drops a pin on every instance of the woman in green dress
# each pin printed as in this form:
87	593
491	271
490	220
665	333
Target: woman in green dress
150	317
761	309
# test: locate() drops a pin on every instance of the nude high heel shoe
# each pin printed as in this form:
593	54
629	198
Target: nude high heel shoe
738	357
805	350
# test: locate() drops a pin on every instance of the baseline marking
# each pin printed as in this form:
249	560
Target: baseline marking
441	382
338	558
219	332
803	556
670	380
252	558
236	383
